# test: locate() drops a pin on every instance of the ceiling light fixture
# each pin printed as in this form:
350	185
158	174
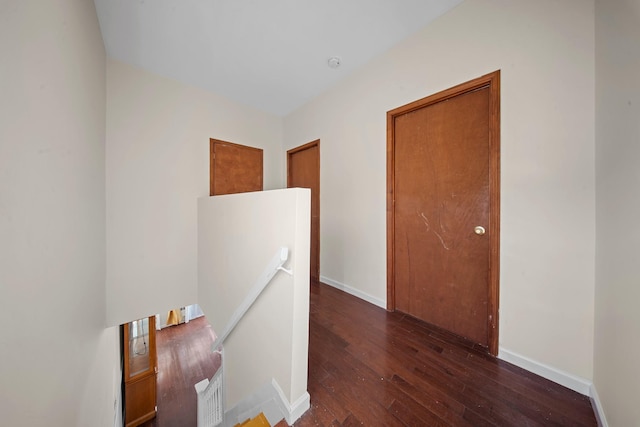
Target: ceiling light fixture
334	62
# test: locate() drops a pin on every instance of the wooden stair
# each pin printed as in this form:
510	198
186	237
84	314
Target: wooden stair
259	421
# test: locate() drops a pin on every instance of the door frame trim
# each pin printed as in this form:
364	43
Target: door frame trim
290	152
492	81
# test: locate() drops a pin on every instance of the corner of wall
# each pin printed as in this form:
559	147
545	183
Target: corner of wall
566	379
598	409
355	292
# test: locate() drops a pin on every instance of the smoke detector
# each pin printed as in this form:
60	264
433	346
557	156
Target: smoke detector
334	62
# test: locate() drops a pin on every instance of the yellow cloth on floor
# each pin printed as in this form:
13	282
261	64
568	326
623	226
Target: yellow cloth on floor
173	317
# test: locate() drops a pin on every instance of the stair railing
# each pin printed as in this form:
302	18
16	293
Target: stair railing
210	392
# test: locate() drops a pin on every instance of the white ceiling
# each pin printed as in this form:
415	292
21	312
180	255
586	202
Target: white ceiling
270	54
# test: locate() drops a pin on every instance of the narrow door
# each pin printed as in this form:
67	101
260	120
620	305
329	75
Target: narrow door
234	168
443	204
140	371
303	170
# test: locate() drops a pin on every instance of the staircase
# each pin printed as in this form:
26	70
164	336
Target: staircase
260	421
211	411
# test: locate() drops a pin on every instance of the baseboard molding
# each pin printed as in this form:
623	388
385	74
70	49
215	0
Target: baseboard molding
355	292
270	400
574	382
295	410
249	406
597	407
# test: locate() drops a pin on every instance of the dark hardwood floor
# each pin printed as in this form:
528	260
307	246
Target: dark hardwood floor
370	367
184	359
374	368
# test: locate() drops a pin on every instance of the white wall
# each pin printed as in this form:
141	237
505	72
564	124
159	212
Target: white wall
545	50
158	134
238	235
58	365
617	341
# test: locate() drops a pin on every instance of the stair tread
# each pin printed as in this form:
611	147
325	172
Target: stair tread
259	421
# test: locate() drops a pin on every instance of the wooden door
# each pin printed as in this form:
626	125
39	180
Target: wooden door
443	204
140	371
234	168
303	170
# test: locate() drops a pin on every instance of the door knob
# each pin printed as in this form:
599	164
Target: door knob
479	230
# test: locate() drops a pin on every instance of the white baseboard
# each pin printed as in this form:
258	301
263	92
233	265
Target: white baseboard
574	382
597	407
250	406
295	410
270	400
355	292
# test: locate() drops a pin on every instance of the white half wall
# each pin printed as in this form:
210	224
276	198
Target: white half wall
617	318
158	133
59	366
545	51
238	235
